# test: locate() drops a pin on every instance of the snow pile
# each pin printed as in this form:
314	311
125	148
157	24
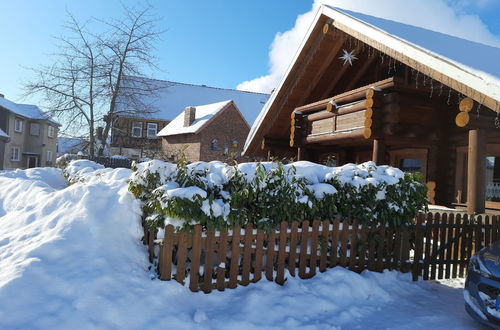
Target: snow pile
71	257
218	195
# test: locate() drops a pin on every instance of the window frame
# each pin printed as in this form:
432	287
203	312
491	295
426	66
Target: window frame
134	126
31	128
49	159
12	153
21	124
51	130
149	136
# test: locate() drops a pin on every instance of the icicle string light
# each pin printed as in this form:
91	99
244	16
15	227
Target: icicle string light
449	96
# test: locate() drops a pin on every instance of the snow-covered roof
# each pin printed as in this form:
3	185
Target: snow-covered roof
173	97
70	145
203	115
470	62
3	135
25	110
469	66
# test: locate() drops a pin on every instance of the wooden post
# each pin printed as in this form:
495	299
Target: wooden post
301	153
476	171
379	152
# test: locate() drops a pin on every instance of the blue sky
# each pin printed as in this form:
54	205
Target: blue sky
217	43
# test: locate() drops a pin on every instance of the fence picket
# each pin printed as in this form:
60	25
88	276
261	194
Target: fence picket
280	273
487	231
195	259
343	247
270	252
181	257
354	245
165	267
303	249
371	251
463	243
324	245
247	254
380	249
292	260
314	248
456	245
389	247
435	244
397	261
405	251
259	251
450	241
427	251
335	243
442	242
209	255
362	252
417	256
235	256
222	265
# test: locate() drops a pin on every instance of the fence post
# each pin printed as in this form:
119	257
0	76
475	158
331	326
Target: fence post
195	259
165	266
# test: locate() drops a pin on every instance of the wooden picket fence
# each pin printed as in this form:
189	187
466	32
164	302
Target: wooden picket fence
437	246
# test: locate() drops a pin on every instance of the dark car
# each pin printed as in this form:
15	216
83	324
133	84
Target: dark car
482	287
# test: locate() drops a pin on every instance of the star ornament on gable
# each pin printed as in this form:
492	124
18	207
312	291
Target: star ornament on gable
348	57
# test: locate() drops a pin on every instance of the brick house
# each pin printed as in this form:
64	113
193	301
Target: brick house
28	136
135	135
208	132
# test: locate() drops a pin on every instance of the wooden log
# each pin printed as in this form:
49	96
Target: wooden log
195	259
355	106
350	96
473	121
466	104
367	132
336	136
379	150
319	115
476	172
269	142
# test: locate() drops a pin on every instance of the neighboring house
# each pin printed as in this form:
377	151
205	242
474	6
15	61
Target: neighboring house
208	132
33	136
136	136
363	88
4	138
68	145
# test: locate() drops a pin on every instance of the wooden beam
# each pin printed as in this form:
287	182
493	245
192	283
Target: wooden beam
379	149
336	136
476	171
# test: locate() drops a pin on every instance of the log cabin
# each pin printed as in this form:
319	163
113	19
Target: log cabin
363	88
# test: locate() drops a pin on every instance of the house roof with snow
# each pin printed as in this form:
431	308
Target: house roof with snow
173	96
468	67
204	115
69	145
29	111
3	136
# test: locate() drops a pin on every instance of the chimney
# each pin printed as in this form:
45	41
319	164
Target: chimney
189	115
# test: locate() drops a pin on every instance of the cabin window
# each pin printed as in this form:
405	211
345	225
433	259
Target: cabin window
49	156
35	129
15	154
152	130
410	160
18	125
137	129
214	145
51	131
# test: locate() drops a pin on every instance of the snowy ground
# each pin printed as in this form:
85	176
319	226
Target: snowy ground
70	257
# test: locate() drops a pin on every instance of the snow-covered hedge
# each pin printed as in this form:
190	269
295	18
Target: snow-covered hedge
218	195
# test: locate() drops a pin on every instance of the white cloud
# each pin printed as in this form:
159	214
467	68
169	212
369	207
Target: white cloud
439	15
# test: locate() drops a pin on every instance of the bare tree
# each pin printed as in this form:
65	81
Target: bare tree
96	77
